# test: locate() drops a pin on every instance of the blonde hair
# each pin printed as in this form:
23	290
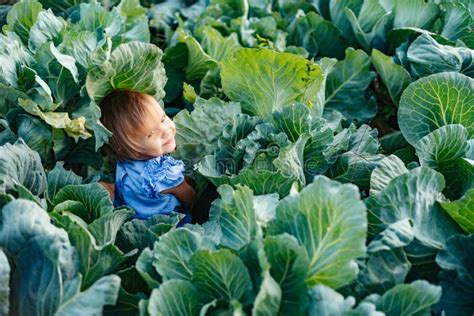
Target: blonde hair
122	112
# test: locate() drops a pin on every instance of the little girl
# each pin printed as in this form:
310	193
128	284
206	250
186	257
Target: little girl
147	178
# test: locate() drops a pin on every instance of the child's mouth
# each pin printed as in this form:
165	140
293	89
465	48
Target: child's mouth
168	141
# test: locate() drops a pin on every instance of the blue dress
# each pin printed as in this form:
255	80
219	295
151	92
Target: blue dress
138	184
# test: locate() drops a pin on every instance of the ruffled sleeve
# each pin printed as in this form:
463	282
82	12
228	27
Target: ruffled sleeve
161	173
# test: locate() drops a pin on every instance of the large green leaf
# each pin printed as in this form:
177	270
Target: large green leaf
105	228
61	73
329	220
55	290
396	235
22	221
14	56
136	66
409	299
221	275
46	265
9	95
60	7
59	177
91	201
175	60
265	206
174	297
91	113
22	17
414	196
435	101
172	254
317	35
144	267
197	132
386	264
268	299
21	165
46	28
94	17
462	211
255	260
91	301
457	278
427	57
294	121
312	138
414	13
457	20
65	61
355	168
87	214
259	181
218	46
198	61
356	164
326	301
389	168
339	18
245	155
82	45
36	134
140	234
136	21
444	150
6	134
268	294
443	146
459	178
4	284
237	216
381	271
327	65
291	160
264	81
98	257
75	128
394	76
289	265
370	24
346	84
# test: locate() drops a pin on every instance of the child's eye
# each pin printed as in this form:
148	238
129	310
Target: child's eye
152	133
163	118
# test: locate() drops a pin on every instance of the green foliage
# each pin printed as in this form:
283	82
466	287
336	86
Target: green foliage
456	277
128	68
331	143
253	76
435	101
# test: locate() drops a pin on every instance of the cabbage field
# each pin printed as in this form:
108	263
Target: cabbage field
331	143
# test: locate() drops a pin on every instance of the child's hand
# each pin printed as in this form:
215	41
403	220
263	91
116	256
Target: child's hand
184	192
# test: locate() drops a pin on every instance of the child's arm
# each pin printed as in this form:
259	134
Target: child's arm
110	187
184	192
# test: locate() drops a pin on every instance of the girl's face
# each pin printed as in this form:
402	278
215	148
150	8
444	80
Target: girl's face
156	135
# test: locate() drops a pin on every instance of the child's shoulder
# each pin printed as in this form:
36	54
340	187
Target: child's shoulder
153	175
162	163
155	164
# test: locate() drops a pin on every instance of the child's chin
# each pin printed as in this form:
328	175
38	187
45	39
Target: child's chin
169	148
